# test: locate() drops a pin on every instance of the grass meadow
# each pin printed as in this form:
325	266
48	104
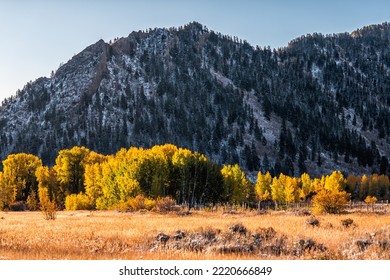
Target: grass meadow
197	235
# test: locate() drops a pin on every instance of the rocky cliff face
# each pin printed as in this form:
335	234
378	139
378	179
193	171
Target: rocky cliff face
321	103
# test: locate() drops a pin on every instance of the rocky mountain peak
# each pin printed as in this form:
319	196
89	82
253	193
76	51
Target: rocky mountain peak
318	105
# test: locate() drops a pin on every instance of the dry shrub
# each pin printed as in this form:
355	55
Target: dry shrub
230	212
307	246
18	206
264	234
166	204
331	202
381	240
313	221
264	242
150	204
183	212
49	210
260	212
162	238
209	233
140	202
238	228
370	246
137	203
278	246
347	222
233	249
109	245
48	207
32	201
301	212
179	235
363	244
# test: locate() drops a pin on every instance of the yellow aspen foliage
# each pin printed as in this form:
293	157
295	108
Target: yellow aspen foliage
332	198
263	186
48	206
19	174
84	179
182	161
127	187
236	185
158	162
335	181
318	184
47	179
306	186
181	156
7	193
94	157
167	150
93	182
364	187
78	201
70	167
32	201
114	181
131	155
292	190
277	188
109	188
370	200
330	201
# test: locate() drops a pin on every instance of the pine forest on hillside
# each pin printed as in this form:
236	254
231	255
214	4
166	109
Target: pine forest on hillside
318	105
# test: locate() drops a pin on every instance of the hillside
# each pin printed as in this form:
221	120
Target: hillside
322	103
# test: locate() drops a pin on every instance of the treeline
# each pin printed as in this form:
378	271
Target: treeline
84	179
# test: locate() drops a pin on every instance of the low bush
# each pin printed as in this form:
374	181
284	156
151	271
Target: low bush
312	221
141	202
137	203
78	202
347	222
331	202
166	204
18	206
48	206
32	201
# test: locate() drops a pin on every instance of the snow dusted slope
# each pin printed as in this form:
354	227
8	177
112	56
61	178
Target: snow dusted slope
319	104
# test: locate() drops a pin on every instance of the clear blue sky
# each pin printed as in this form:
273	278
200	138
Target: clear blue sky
36	36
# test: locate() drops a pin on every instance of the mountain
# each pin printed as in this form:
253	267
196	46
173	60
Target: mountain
320	104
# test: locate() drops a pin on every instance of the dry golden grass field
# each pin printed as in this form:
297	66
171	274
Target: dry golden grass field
198	235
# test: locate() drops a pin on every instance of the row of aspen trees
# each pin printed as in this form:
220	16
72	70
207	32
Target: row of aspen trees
84	179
